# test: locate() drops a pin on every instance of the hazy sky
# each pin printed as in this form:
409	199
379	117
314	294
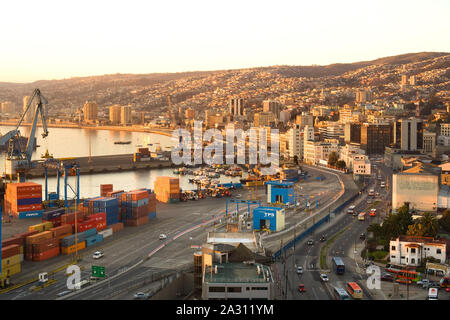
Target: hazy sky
62	39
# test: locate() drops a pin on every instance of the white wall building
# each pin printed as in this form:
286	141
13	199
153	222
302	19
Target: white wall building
409	250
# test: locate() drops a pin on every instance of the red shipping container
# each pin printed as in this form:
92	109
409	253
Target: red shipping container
28	256
46	254
100	225
69	218
38	237
11	241
86	225
63	229
137	222
116	227
10	251
101	216
45	245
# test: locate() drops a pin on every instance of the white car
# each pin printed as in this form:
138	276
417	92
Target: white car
324	277
162	236
97	255
300	270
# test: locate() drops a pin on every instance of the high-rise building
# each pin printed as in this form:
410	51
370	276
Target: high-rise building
352	132
285	116
412	80
445	129
236	106
408	134
272	106
429	141
115	114
125	115
90	110
295	142
404	80
375	137
363	96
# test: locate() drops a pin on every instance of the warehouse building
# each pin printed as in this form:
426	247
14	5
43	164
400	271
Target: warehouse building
280	192
271	218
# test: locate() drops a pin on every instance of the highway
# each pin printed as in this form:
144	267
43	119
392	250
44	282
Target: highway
308	256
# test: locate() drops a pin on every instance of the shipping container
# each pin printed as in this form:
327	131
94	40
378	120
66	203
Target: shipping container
38	237
94	240
11	270
6	262
50	253
106	233
152	215
137	222
63	229
116	227
45	245
52	214
72	249
10	251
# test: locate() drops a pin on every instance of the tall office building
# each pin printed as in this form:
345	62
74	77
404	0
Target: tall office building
285	116
352	132
408	134
264	119
429	141
236	106
363	96
114	114
305	120
375	137
189	113
125	115
295	142
90	110
272	106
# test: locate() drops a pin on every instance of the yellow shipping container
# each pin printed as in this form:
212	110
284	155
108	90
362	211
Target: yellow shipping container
47	225
37	227
11	270
10	261
71	249
21	249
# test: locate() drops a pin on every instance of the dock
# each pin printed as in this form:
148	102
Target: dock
103	164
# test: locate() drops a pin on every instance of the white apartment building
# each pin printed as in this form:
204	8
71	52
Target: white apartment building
361	165
355	159
314	151
294	139
410	250
445	129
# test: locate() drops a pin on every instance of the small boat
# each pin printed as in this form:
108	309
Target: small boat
122	142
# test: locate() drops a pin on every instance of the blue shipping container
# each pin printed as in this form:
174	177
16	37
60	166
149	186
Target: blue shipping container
94	239
52	214
30	214
23	202
152	215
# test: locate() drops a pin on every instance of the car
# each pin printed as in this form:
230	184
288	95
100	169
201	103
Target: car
301	288
323	238
423	282
387	277
310	242
300	270
369	200
362	236
98	255
324	277
63	293
377	194
141	296
162	236
447	289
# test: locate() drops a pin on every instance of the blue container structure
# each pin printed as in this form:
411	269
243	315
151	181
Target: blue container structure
280	192
81	236
94	239
31	214
53	214
271	218
152	215
108	205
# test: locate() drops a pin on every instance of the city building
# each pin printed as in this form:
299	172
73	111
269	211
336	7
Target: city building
189	114
294	140
363	95
445	129
125	115
412	250
8	107
374	138
304	120
90	111
263	119
420	189
272	106
445	173
30	113
429	141
236	106
114	114
361	165
285	116
317	152
352	133
408	134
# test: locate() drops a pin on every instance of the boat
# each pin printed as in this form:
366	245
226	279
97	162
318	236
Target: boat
122	142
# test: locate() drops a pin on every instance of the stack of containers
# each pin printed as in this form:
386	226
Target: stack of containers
89	203
53	216
143	154
62	231
35	239
11	260
110	206
96	221
44	226
24	199
116	227
94	239
136	204
151	206
68	243
167	189
105	188
69	218
45	249
117	195
18	239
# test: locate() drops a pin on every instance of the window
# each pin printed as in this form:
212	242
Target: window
438	251
216	289
393	248
259	288
413	250
234	289
413	260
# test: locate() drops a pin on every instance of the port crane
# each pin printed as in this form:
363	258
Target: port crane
18	161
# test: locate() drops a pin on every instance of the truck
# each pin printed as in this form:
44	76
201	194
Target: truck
433	294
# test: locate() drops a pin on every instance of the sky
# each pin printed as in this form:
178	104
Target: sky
44	40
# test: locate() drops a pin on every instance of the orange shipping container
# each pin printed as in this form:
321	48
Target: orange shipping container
38	237
64	229
71	249
46	254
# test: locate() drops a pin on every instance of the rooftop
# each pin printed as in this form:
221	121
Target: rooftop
238	273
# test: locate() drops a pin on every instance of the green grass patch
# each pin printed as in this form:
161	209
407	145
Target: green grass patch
378	255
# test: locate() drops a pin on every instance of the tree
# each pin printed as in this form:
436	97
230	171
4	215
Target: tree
424	227
444	222
332	158
295	159
340	164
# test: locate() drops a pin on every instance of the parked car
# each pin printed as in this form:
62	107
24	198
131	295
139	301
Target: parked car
310	242
323	238
300	270
362	236
141	296
301	288
324	277
98	255
423	282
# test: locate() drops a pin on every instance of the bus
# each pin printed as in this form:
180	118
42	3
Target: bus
340	294
338	265
362	216
406	276
354	290
373	212
351	209
445	282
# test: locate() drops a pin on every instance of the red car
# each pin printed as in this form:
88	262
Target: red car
301	288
